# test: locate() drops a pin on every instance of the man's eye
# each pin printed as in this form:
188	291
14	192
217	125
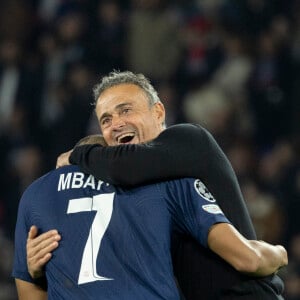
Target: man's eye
105	121
126	110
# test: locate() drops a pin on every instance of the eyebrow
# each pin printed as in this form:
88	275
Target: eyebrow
117	107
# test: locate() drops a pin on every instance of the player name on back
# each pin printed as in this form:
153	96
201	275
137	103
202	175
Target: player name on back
77	180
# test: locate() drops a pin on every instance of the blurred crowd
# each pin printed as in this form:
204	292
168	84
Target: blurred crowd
231	65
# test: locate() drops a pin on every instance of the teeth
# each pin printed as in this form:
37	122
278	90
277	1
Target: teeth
122	136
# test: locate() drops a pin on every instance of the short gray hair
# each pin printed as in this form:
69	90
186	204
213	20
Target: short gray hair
126	77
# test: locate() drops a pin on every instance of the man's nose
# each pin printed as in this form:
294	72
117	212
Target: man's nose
117	122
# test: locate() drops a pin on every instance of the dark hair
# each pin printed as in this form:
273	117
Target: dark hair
92	139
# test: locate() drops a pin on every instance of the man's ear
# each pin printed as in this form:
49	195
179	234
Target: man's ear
160	112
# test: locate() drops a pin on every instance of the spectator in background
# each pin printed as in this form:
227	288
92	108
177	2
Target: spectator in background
220	104
107	37
71	100
8	290
269	98
278	174
26	165
47	10
17	20
200	56
243	158
265	211
292	273
10	57
210	106
19	85
152	39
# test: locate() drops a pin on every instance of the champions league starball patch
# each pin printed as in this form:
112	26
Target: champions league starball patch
203	191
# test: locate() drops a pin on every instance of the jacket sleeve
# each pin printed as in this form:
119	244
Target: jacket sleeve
127	165
183	150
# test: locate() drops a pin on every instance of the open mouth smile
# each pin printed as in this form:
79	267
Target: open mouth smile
125	138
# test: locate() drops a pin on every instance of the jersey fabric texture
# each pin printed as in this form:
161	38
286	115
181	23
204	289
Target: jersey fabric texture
115	242
186	150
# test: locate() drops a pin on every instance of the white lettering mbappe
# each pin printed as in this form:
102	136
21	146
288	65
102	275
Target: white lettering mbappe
77	180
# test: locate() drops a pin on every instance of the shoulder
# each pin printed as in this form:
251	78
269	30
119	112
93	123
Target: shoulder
185	139
184	127
177	185
184	130
189	185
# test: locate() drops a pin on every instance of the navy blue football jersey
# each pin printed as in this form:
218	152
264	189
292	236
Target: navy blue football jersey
115	242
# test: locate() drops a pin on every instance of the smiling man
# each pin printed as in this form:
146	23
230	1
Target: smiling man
132	121
126	115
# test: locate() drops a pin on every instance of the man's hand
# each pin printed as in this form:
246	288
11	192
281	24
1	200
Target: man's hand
63	159
39	250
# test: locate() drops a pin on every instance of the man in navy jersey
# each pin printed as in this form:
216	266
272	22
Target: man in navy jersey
130	112
116	242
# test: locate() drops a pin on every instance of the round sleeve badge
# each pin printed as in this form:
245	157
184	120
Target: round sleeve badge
202	190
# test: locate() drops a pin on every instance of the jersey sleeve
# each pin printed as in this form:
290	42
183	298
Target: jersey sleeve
193	208
23	224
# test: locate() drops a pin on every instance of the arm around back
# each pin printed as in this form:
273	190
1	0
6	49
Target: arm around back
183	150
255	258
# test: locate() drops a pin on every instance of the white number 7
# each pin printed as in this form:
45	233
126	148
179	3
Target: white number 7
103	204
